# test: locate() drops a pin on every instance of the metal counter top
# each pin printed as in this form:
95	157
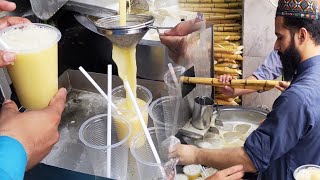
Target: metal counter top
83	102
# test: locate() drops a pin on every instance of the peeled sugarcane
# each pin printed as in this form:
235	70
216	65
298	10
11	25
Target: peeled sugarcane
226	70
235	83
226	33
230	56
231	38
234	28
226	60
226	51
227	25
229	65
221	21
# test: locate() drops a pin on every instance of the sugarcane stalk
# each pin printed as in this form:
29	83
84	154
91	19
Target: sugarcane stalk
230	56
235	28
222	60
211	16
226	33
227	25
230	65
234	83
222	21
230	38
227	70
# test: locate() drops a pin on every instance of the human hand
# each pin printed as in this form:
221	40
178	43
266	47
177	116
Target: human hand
37	131
227	90
177	41
232	173
186	154
283	85
7	58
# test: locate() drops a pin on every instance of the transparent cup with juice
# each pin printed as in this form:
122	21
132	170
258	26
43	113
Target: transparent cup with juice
34	73
144	98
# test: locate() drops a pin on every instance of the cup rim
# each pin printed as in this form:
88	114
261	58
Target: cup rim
153	104
134	139
303	167
138	86
168	73
105	146
32	24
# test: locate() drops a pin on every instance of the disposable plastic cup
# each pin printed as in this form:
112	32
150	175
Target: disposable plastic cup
93	133
141	151
307	172
162	112
174	91
34	73
144	98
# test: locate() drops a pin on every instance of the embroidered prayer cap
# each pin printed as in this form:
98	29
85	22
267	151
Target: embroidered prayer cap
298	8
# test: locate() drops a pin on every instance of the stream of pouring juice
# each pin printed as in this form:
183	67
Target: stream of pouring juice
35	72
125	59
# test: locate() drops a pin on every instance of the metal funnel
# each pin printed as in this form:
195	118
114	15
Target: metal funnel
124	36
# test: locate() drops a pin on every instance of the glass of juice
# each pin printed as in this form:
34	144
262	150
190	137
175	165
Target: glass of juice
144	98
307	172
34	73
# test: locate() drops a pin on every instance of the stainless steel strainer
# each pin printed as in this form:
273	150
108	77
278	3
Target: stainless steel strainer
124	36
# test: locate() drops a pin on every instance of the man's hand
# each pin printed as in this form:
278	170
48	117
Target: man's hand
176	39
227	90
7	58
232	173
283	85
186	154
37	131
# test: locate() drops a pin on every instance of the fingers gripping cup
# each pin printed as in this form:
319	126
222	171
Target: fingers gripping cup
34	73
93	133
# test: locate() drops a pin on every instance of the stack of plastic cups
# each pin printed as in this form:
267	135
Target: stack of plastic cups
187	102
93	133
140	149
162	112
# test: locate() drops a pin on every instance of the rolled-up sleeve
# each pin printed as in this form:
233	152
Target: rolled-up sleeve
270	69
13	159
280	132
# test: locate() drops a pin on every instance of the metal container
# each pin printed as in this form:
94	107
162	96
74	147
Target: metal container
202	112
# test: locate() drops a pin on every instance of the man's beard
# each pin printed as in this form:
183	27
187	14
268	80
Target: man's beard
290	59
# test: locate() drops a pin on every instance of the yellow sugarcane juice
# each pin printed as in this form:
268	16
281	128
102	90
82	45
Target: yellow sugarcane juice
34	73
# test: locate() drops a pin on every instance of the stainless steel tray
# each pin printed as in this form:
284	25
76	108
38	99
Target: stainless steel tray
230	114
83	102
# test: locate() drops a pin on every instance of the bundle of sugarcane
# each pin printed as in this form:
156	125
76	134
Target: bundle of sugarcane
234	83
226	17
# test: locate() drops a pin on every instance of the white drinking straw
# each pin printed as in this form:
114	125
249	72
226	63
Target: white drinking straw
204	171
109	122
144	126
173	74
84	72
175	80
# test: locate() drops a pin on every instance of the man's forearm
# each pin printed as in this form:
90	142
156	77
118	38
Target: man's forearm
225	158
240	92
